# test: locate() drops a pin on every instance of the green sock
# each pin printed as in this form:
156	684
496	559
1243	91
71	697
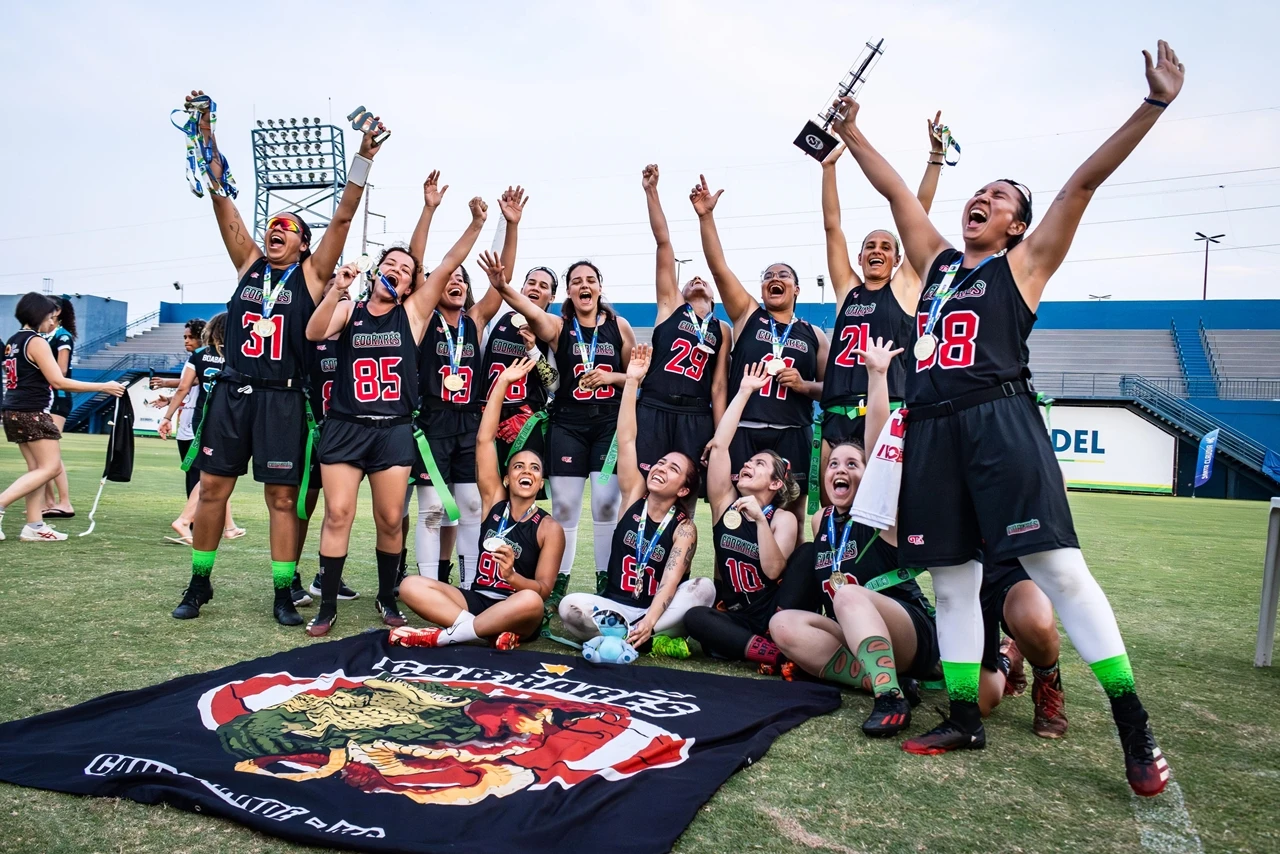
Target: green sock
844	668
202	562
1116	675
962	680
282	573
876	656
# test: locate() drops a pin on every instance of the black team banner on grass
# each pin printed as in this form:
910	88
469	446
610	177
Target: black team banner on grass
359	744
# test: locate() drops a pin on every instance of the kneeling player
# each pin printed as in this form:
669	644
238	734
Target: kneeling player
649	559
520	550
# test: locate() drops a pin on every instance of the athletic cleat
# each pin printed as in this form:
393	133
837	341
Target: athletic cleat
1015	684
411	636
300	596
1051	714
506	641
345	593
322	622
788	671
944	738
389	613
910	690
199	591
400	577
43	534
1144	763
784	669
285	613
602	583
890	715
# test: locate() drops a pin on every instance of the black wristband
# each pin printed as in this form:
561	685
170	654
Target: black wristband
935	163
1153	102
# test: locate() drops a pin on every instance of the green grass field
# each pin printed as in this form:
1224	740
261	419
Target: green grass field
91	615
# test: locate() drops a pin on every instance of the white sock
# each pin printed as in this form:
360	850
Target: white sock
426	534
35	526
463	630
566	508
1081	605
468	546
960	632
605	501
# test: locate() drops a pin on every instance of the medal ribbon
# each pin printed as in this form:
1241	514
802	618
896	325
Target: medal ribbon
270	292
503	527
838	556
942	134
396	296
700	326
780	343
455	348
945	290
588	361
643	552
200	153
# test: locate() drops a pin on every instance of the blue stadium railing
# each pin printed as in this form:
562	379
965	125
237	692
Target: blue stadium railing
125	369
93	345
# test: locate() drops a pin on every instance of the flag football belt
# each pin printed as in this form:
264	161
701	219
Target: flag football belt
815	458
968	401
860	410
236	377
610	461
433	472
291	384
377	423
683	401
526	430
313	439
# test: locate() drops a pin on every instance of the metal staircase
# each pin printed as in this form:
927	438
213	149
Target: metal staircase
1195	364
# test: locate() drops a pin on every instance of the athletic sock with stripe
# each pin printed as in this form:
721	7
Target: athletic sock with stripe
282	573
202	563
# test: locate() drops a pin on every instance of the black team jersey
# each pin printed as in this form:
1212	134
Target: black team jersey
207	364
626	587
572	402
504	347
25	388
982	333
377	373
321	371
880	558
776	404
741	585
434	366
865	315
523	539
679	378
282	355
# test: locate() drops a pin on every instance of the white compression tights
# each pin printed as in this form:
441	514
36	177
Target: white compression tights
576	609
566	503
1081	605
955	590
431	518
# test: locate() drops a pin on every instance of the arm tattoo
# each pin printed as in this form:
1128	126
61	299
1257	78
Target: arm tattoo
237	228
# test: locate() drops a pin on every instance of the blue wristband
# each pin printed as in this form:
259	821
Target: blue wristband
1153	102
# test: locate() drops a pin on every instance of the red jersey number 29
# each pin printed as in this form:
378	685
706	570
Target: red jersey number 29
957	335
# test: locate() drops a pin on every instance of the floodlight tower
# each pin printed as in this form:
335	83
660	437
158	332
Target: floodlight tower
303	164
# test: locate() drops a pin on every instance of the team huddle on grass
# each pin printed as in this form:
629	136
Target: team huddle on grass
909	441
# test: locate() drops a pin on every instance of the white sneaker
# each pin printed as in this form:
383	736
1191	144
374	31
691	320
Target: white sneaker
43	534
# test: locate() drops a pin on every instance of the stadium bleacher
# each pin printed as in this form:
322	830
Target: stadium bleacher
162	340
1245	352
1063	360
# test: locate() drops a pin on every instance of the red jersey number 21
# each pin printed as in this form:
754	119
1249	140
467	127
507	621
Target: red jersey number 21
957	335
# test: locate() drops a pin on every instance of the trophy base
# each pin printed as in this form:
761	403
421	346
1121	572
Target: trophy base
816	142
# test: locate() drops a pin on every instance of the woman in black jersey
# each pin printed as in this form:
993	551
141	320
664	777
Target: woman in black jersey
520	550
453	386
753	537
681	403
369	429
257	410
592	345
30	375
780	417
57	493
652	547
978	469
881	303
872	623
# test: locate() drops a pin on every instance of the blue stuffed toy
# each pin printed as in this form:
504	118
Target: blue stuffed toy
611	646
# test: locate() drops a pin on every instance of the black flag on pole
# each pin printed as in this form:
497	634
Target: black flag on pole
360	744
119	467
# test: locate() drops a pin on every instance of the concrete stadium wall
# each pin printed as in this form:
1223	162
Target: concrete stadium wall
95	316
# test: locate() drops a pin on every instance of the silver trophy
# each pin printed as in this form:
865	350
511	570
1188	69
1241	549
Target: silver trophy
816	140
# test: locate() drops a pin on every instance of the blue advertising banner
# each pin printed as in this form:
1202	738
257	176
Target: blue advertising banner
1204	465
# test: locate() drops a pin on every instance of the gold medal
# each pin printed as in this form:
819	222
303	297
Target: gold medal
773	367
731	519
518	321
924	347
582	386
264	327
838	579
454	382
492	544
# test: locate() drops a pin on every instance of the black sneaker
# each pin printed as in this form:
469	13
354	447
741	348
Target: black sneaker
910	690
300	596
946	737
285	613
389	613
345	593
400	577
323	620
1144	764
890	715
198	592
558	590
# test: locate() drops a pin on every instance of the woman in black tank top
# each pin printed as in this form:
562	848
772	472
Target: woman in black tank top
30	375
521	548
971	354
369	429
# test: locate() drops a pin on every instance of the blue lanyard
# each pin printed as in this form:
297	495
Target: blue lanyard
200	153
837	557
503	527
700	326
643	552
780	344
270	293
455	348
945	291
588	361
394	294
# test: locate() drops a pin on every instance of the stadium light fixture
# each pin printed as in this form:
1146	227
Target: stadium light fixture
1099	297
680	262
1207	238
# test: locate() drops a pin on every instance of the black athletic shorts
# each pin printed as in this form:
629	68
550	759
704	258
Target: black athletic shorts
478	603
754	618
265	424
452	438
661	431
986	473
927	663
578	448
792	443
61	405
192	474
997	580
837	428
371	447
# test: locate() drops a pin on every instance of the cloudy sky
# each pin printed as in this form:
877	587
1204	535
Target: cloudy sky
572	99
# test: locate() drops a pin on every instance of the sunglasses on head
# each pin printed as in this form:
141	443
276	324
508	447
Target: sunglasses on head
286	224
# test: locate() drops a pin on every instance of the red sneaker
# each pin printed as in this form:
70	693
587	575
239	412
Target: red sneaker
411	636
1051	715
1015	685
322	622
506	641
944	738
1144	763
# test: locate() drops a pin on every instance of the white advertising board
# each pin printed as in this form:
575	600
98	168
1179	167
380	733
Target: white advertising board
1109	447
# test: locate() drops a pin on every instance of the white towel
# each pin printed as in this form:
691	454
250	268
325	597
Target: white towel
876	503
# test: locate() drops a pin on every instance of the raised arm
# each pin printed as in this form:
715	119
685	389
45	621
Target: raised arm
324	257
432	196
839	265
664	276
720	379
683	547
920	239
933	166
38	351
236	236
1038	257
488	466
631	480
737	302
334	310
720	489
877	355
511	204
426	297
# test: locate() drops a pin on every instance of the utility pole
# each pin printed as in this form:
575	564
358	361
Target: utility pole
1207	240
364	235
48	285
